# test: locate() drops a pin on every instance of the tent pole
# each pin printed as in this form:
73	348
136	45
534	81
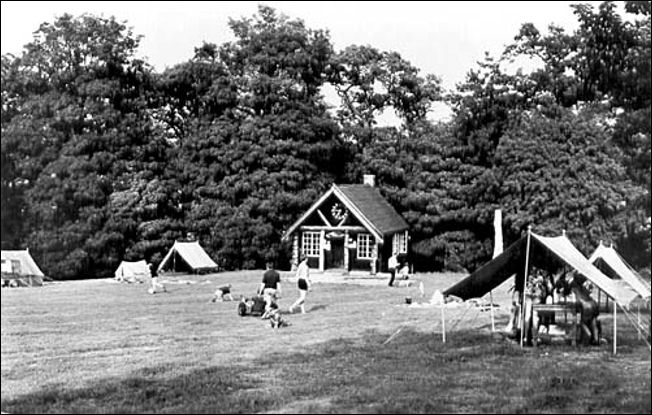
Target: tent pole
615	326
491	311
498	249
638	320
527	258
443	323
565	297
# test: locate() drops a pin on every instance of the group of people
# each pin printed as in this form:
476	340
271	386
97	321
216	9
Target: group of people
539	289
542	289
270	289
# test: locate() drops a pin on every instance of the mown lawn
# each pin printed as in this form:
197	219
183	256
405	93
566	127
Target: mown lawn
98	346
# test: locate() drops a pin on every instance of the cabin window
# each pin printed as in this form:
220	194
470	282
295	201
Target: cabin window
364	246
399	243
311	243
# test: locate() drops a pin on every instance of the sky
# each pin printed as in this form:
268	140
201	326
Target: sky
441	38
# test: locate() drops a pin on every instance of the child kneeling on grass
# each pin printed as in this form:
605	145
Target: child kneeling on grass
223	293
275	318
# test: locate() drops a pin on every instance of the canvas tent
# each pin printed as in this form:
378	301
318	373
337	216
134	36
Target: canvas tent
544	252
548	253
18	267
186	257
133	271
607	259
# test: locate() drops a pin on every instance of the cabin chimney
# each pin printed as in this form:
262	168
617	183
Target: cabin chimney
369	180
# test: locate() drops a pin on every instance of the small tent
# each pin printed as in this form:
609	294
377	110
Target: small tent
545	253
19	268
186	257
613	265
133	271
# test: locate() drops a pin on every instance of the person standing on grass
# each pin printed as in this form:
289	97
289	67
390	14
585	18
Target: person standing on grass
392	264
303	283
155	284
270	288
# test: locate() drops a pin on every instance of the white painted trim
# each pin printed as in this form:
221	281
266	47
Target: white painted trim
309	212
358	214
349	205
321	215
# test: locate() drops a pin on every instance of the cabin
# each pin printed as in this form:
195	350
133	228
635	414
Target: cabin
351	227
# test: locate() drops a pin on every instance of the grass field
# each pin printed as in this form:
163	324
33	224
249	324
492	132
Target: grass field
98	346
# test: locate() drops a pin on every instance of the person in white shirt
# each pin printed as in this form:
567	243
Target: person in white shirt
303	283
392	264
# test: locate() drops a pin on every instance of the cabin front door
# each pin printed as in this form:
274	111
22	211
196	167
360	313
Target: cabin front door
335	257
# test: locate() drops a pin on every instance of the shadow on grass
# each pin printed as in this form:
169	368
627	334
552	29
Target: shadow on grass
415	372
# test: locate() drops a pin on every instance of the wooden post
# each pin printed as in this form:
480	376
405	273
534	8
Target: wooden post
295	252
407	239
527	258
346	252
615	326
638	321
374	258
322	239
577	324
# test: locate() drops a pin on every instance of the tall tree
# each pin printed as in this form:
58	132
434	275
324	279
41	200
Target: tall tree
562	173
265	147
604	67
370	82
79	131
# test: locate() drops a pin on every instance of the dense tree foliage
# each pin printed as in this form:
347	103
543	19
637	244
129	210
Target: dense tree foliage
103	159
256	145
76	129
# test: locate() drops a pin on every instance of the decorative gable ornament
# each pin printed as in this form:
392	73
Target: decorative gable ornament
339	212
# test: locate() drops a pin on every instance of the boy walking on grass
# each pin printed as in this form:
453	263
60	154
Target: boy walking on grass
270	288
156	286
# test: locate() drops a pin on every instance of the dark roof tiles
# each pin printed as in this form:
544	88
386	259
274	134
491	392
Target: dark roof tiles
374	207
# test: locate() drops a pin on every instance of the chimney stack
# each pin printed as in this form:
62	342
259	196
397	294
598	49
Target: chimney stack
369	180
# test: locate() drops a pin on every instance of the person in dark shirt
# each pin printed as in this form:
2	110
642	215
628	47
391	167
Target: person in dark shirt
156	286
270	287
223	293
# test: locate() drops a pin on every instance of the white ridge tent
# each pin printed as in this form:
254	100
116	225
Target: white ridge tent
539	251
604	255
543	251
187	256
133	271
18	267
